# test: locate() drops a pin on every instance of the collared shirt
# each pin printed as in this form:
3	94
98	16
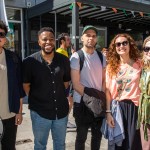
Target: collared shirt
47	91
62	51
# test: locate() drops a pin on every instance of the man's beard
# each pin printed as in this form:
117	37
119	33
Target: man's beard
48	52
91	46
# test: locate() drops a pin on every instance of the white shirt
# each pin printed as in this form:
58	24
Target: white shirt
91	73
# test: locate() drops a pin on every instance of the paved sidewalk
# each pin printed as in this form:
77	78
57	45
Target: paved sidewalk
25	135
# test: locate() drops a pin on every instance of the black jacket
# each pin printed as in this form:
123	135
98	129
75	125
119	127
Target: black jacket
14	76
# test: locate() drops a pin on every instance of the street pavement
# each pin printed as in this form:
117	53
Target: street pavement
25	136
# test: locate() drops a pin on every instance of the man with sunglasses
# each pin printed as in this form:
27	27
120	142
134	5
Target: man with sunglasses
11	92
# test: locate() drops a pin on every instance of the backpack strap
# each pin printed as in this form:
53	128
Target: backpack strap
81	56
100	56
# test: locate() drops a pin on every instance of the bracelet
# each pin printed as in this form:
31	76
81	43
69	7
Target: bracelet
19	114
108	111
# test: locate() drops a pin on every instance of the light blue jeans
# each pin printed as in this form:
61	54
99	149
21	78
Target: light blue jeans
41	128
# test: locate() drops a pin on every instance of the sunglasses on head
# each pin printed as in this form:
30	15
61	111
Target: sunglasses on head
2	34
146	49
124	43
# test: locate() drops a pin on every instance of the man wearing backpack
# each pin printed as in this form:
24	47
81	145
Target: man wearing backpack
87	73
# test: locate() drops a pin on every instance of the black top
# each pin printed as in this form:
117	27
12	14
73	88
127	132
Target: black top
47	91
14	78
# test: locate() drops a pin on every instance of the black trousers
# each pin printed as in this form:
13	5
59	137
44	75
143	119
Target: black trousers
9	136
132	139
82	128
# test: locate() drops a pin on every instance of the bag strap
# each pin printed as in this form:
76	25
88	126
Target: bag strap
82	57
100	56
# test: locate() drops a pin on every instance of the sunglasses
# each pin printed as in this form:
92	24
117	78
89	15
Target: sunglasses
2	34
124	43
146	49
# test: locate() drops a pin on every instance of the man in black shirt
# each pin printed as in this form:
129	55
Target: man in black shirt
46	76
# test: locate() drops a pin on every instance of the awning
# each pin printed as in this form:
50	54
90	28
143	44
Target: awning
106	12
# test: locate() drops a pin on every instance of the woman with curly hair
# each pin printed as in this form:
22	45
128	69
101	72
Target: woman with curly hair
144	106
122	85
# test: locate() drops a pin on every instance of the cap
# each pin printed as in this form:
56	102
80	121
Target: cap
88	27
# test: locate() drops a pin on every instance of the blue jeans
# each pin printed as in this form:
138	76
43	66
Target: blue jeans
41	128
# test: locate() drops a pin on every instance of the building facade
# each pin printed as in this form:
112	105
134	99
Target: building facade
17	14
26	17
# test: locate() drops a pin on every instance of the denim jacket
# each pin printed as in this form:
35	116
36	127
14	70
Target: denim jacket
114	135
14	76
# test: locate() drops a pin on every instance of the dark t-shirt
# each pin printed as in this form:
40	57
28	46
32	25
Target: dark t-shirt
47	91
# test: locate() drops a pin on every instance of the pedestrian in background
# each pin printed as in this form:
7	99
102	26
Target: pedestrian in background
64	42
144	107
11	92
105	51
46	77
122	85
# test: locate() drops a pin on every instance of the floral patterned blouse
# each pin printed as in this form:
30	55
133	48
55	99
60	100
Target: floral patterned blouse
126	84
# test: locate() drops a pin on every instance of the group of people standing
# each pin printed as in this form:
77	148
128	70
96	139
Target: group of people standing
46	76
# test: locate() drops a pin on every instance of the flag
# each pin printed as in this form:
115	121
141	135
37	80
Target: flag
141	13
79	4
133	13
103	8
71	6
114	9
3	15
124	12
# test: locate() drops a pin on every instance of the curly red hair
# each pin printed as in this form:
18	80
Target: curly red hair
113	57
